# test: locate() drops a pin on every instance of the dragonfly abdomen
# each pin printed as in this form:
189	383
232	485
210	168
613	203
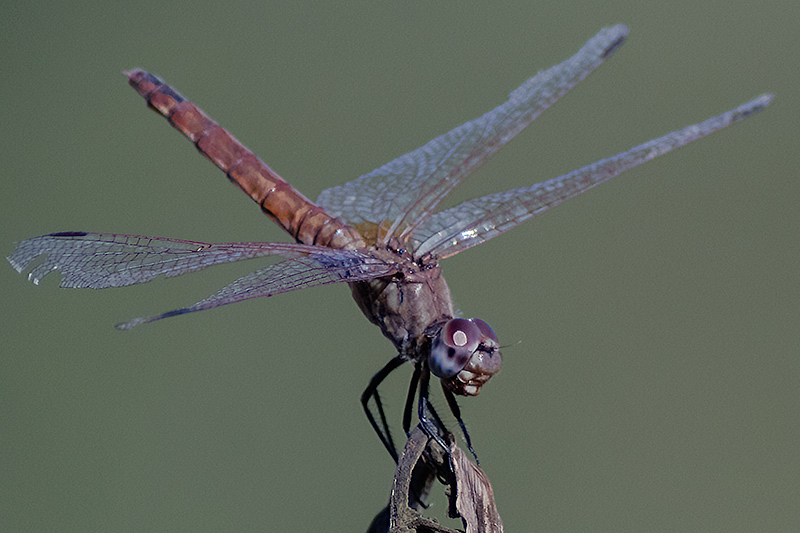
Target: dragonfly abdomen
305	221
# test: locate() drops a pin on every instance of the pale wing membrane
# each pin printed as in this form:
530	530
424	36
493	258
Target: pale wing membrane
475	221
330	266
407	189
101	260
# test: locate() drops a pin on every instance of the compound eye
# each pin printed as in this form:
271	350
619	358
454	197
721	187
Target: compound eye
453	346
486	331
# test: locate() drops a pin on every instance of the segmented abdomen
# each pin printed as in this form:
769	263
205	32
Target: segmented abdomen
300	217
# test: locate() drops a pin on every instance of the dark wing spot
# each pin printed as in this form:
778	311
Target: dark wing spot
68	234
176	312
613	47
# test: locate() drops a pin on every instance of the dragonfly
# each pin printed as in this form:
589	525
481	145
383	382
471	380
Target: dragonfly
381	233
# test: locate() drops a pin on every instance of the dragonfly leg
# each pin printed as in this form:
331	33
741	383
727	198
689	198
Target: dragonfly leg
412	394
456	410
434	428
382	429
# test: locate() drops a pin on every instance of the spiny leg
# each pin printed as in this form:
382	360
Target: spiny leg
412	393
407	413
371	391
432	428
456	410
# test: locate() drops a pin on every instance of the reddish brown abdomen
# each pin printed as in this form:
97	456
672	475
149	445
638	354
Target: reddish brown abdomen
300	217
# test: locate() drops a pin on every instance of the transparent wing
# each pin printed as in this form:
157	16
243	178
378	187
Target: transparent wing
406	190
330	266
101	260
448	232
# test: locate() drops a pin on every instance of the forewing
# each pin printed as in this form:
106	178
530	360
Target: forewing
101	260
407	190
329	266
448	232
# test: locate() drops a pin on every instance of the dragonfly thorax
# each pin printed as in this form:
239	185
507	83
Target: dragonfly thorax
414	310
404	305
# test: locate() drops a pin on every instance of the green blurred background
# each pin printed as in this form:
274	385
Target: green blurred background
651	372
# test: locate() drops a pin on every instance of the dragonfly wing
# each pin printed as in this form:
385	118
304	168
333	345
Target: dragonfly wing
101	260
330	266
408	189
448	232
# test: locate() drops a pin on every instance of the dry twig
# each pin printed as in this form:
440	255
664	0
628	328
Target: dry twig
423	462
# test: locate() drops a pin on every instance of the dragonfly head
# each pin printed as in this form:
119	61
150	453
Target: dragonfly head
465	354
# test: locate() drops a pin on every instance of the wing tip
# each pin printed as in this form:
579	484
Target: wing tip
620	35
124	326
748	109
